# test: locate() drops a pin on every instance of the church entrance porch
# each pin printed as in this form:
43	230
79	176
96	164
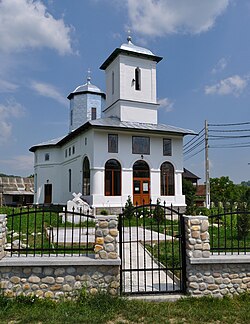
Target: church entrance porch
141	183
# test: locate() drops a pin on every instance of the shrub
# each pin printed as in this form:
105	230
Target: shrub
129	209
104	212
159	214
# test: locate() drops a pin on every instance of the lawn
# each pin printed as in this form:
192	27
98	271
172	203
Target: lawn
33	229
106	309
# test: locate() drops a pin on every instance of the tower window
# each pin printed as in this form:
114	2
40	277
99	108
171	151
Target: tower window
71	117
46	157
93	113
113	82
137	79
70	176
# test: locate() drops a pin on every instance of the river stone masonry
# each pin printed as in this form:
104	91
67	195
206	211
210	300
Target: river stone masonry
197	237
106	238
214	275
56	282
3	233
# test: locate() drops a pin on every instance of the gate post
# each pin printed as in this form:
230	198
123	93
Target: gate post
106	233
3	234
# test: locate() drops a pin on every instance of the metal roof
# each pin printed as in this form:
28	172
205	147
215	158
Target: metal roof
131	50
88	87
16	186
116	124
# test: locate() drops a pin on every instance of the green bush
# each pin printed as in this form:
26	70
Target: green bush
129	209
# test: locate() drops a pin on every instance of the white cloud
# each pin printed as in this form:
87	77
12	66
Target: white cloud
10	110
220	65
20	163
232	85
27	23
48	90
166	104
161	17
6	86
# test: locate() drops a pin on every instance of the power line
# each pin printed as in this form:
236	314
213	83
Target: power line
228	130
194	138
227	136
232	124
194	147
189	157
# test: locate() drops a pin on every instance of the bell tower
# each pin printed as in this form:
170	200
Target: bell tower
86	103
131	84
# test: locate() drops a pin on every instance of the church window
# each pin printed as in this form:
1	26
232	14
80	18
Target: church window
73	150
137	79
69	151
113	82
93	113
71	117
70	178
112	178
66	153
85	141
86	177
140	145
112	143
46	157
167	179
167	147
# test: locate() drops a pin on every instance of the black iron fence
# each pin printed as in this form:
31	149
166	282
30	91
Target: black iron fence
230	231
151	241
49	230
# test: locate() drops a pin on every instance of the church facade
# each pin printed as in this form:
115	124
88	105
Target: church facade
115	147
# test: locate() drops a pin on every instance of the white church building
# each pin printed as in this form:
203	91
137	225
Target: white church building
115	146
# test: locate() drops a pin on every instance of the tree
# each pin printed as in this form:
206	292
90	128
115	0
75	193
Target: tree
189	190
223	190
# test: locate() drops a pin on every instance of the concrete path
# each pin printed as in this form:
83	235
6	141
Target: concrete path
151	276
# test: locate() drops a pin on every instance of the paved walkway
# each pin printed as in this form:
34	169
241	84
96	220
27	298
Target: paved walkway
152	276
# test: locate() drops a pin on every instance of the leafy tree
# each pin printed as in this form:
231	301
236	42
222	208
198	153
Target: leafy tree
189	190
223	190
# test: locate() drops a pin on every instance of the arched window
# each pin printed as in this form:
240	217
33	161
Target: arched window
137	79
167	179
112	178
86	177
141	169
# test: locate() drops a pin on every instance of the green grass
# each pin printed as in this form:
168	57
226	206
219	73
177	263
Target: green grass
105	309
168	254
31	226
227	237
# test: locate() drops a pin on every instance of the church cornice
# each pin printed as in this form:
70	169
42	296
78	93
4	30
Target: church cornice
119	51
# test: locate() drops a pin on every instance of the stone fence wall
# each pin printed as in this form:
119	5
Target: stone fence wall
215	275
55	276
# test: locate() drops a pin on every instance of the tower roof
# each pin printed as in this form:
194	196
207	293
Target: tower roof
88	87
132	50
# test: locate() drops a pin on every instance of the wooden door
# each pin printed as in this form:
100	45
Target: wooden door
141	190
48	193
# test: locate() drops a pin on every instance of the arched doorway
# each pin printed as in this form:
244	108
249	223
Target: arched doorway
141	183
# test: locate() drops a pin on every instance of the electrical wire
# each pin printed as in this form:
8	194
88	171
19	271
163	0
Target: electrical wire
232	124
189	157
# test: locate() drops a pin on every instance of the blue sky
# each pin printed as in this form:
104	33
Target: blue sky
47	46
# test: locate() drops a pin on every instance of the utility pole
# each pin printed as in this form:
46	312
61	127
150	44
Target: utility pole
207	167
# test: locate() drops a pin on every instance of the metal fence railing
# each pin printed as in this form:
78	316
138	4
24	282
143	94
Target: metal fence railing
45	231
229	231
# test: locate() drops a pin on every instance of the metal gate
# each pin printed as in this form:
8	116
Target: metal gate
151	245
